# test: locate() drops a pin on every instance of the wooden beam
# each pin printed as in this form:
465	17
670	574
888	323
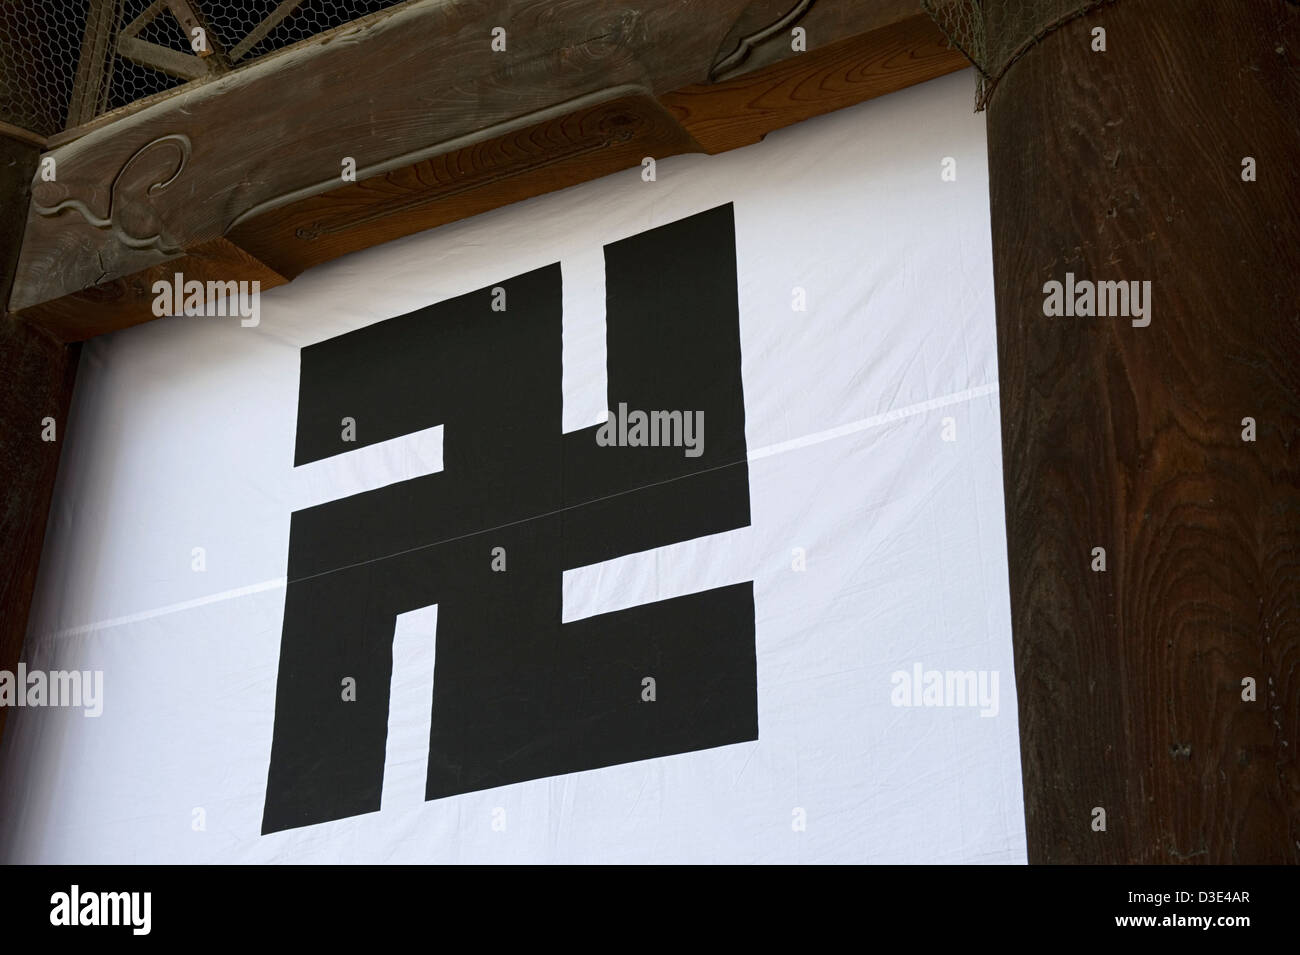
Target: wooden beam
147	16
89	89
9	131
190	16
161	58
259	32
36	385
19	160
763	35
400	93
35	392
1130	681
614	132
743	110
123	302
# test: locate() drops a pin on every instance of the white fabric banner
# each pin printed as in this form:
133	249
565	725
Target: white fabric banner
885	691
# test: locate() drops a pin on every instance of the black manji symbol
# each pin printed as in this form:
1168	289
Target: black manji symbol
518	695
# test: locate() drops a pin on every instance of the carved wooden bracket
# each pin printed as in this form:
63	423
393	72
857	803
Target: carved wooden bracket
242	174
156	237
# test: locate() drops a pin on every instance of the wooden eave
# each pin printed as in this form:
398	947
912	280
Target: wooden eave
238	176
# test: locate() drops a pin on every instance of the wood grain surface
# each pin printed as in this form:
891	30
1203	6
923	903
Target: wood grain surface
121	303
440	128
1127	165
594	141
37	383
134	192
743	110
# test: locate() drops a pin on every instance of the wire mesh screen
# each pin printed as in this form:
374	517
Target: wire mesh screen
38	50
64	62
993	34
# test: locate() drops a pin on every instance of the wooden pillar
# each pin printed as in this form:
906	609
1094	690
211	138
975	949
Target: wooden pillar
1127	165
36	372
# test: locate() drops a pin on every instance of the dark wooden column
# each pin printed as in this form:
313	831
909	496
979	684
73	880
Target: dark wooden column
36	372
1127	165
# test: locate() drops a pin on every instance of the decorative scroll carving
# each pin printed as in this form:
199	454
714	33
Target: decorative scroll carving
157	241
738	56
409	94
